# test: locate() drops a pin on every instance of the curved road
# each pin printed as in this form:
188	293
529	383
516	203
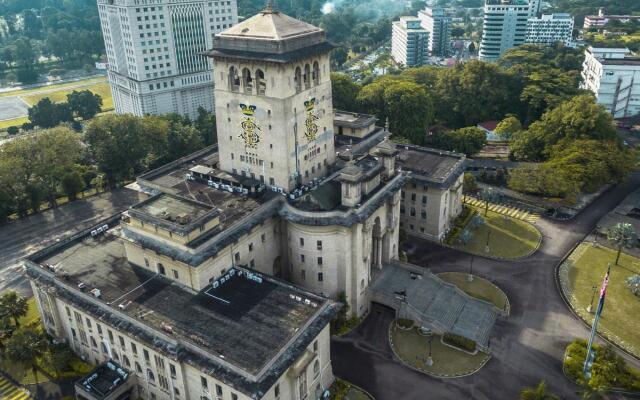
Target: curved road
527	346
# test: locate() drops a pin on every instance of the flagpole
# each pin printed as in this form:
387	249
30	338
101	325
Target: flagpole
586	371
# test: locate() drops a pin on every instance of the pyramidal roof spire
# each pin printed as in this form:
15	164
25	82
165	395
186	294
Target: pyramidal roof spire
269	7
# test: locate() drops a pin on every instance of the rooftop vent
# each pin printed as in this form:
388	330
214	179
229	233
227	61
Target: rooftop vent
96	293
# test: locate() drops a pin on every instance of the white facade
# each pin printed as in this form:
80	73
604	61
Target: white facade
600	20
504	27
154	53
438	24
549	29
409	42
614	78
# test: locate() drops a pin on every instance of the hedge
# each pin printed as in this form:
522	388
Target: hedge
405	323
459	341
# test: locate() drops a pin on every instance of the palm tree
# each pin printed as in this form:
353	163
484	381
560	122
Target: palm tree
592	393
6	331
13	306
537	393
622	235
488	195
26	347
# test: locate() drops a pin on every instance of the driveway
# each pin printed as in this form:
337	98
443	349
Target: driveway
527	346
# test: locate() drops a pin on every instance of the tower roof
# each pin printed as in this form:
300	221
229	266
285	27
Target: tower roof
270	36
270	25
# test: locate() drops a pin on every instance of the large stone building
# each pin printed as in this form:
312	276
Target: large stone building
155	65
220	284
613	76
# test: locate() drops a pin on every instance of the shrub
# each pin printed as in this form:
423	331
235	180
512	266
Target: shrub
13	130
633	283
459	341
405	323
465	236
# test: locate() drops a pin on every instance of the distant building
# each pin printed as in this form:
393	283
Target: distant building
409	42
549	29
504	27
614	77
155	61
489	128
438	24
600	20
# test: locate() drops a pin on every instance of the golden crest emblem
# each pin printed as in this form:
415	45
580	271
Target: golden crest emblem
311	128
250	130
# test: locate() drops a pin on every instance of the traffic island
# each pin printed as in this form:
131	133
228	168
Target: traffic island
496	235
411	347
580	278
479	288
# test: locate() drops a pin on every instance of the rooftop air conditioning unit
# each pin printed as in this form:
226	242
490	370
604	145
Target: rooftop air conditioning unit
96	293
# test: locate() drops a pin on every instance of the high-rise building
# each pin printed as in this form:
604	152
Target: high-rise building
504	27
550	28
438	24
154	51
613	76
534	7
409	42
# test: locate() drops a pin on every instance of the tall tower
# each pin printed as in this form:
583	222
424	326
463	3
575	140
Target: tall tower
438	23
273	100
504	26
155	64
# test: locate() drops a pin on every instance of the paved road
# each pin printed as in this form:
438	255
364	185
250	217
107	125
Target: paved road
20	238
527	346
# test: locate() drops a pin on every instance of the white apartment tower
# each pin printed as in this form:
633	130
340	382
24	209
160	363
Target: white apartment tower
438	23
613	76
504	27
550	28
409	42
154	50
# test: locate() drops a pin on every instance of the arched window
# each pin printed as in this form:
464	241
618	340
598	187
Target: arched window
150	375
316	73
362	284
234	79
138	369
261	83
247	81
316	368
125	359
307	76
93	343
298	80
161	269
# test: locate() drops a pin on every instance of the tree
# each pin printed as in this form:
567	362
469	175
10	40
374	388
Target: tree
13	130
539	392
182	139
24	53
468	140
507	127
72	183
469	184
13	306
84	104
622	235
339	56
409	108
206	125
60	357
26	347
6	331
344	92
47	114
488	195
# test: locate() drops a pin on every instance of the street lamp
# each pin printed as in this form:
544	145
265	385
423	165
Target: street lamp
470	277
486	247
429	361
593	296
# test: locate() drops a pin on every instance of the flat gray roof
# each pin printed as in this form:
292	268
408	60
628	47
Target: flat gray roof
434	166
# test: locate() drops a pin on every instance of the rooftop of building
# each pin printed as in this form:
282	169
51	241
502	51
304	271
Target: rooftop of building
243	319
270	36
177	214
104	379
352	119
431	166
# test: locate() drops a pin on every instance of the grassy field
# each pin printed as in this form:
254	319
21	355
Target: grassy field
13	122
56	86
57	96
619	321
413	349
479	288
509	238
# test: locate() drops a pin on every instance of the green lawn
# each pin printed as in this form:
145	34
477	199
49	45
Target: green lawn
413	348
479	288
619	321
13	122
101	88
509	238
54	86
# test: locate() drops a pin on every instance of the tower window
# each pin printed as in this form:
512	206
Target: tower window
316	73
298	80
234	79
307	76
247	81
261	83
